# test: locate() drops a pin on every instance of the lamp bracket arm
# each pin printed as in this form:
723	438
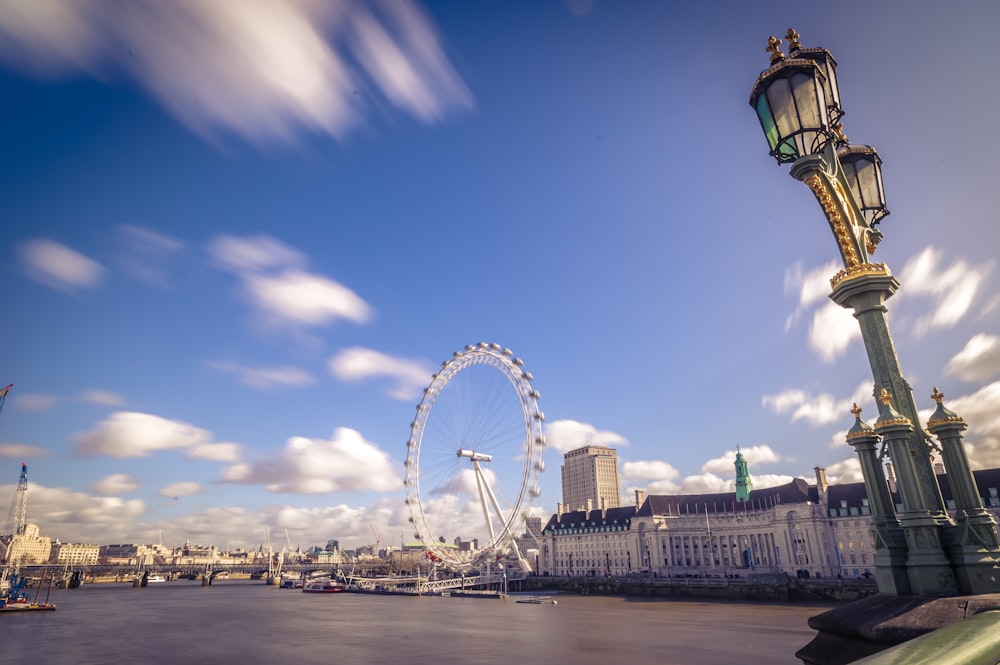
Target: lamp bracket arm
823	174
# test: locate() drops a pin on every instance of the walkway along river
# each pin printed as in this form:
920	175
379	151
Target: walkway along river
247	622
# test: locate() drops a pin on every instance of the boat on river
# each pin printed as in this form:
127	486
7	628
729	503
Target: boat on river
323	586
15	598
537	600
152	579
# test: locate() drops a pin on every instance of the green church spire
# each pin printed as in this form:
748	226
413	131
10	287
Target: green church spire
743	482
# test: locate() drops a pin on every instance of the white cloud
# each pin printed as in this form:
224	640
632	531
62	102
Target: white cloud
832	330
102	397
649	470
952	289
177	490
706	483
653	477
265	377
252	254
979	360
35	401
316	466
133	434
217	452
839	438
145	253
409	377
847	471
21	450
115	484
566	435
275	281
307	526
58	266
811	287
305	298
77	517
267	70
726	463
765	480
817	410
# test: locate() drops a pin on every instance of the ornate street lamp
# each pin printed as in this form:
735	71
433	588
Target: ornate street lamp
863	170
798	104
791	104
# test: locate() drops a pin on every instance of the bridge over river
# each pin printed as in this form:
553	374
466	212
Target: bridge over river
419	583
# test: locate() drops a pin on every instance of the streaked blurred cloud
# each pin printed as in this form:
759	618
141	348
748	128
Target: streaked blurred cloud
276	283
268	70
952	289
817	410
979	359
59	267
177	490
408	377
116	483
35	401
21	450
102	397
265	378
146	254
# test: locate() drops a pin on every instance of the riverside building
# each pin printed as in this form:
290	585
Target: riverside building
590	478
808	530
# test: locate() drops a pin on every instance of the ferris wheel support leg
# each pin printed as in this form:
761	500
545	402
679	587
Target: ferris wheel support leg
483	487
503	520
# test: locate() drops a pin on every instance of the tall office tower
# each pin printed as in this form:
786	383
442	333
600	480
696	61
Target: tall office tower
590	474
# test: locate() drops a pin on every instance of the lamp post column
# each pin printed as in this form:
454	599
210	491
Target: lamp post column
927	567
866	295
890	543
973	544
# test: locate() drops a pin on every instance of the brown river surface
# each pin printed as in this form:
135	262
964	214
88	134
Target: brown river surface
246	623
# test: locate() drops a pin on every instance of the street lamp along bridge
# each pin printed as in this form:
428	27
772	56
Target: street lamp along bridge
920	549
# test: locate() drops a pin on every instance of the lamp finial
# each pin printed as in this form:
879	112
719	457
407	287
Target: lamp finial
885	397
774	48
793	40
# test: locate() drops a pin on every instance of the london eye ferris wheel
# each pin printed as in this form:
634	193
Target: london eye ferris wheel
474	457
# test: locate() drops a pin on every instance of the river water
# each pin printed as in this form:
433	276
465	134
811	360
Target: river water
248	622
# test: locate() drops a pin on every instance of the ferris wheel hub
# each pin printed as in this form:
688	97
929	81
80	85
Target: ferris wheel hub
474	456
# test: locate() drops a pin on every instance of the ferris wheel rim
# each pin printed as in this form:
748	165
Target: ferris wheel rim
503	360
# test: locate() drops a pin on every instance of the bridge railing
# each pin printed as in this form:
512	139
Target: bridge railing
974	641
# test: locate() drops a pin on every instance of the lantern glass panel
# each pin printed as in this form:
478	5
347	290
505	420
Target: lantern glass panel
862	168
791	106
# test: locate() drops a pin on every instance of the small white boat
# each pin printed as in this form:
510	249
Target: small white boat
155	578
537	600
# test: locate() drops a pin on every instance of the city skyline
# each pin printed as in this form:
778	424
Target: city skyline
241	241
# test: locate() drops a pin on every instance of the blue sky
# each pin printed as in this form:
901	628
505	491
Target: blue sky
240	237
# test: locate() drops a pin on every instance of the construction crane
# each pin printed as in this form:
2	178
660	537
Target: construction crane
378	540
19	508
3	396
